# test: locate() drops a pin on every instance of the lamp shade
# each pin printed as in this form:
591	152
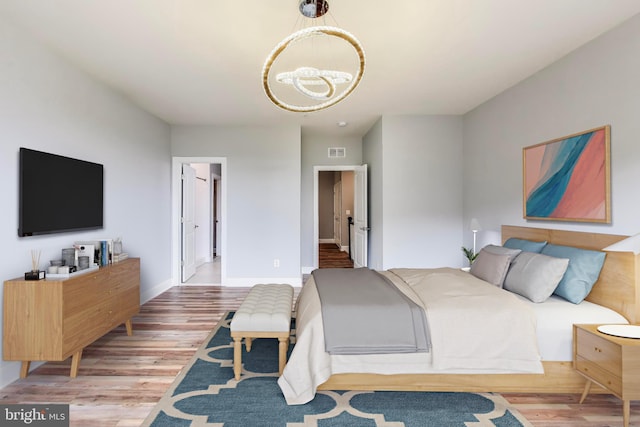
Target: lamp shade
630	244
474	225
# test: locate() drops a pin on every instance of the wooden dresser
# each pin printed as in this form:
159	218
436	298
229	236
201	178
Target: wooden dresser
54	319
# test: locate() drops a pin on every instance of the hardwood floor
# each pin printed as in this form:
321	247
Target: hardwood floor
330	256
121	377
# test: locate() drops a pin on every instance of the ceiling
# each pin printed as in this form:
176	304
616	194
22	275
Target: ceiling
199	62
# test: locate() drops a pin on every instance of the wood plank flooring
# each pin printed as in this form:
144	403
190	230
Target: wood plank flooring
121	377
331	256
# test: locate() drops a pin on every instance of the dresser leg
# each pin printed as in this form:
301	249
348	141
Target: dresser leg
75	363
129	327
24	369
626	412
585	392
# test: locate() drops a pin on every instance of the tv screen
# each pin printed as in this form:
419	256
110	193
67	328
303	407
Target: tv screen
58	194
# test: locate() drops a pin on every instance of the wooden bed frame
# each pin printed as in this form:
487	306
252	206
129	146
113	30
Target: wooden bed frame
616	288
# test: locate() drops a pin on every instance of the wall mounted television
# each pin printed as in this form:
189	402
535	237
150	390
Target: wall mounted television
58	194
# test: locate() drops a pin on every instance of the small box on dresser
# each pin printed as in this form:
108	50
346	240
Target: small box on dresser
612	362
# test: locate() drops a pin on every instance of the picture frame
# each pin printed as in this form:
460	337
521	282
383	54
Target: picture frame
569	178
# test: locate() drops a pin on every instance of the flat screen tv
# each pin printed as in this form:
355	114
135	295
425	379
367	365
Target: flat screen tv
58	194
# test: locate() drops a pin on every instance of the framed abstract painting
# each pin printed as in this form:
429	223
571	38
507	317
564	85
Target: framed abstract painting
568	178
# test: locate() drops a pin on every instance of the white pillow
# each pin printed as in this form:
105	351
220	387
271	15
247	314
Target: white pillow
501	250
535	276
491	267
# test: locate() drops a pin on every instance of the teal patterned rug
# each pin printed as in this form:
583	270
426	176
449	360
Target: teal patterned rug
206	394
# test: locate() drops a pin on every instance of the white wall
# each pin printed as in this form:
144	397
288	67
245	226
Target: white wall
595	85
50	106
325	205
421	160
263	196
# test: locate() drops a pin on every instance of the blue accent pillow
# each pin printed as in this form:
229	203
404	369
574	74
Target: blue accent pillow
582	273
524	245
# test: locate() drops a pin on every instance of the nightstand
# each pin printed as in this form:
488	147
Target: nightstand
610	361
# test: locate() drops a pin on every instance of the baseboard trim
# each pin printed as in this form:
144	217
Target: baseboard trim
155	291
326	240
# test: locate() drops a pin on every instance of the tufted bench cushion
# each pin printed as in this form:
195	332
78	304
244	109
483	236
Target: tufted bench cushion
264	313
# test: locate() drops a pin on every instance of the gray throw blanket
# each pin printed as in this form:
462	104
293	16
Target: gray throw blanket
364	313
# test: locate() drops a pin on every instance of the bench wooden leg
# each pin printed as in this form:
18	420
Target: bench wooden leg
283	346
247	343
237	357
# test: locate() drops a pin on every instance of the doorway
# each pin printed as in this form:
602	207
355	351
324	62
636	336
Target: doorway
337	224
206	249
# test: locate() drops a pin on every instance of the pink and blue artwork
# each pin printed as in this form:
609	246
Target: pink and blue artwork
568	179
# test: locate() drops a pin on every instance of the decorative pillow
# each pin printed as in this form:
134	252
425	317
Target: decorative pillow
535	276
524	245
490	267
582	273
501	250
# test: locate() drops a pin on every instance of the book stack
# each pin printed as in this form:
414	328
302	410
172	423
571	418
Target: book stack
106	248
119	257
103	251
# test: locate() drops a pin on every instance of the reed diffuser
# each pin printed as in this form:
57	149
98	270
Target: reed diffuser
35	273
35	260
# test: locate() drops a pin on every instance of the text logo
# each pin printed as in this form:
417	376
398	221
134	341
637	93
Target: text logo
34	415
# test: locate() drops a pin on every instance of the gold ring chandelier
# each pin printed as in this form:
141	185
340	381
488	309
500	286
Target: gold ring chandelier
316	85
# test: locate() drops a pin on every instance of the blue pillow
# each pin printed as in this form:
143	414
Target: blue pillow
524	245
582	273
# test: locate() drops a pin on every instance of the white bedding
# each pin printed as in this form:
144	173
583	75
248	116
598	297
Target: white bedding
555	318
475	328
309	365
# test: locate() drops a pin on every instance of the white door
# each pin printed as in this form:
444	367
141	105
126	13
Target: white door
188	225
337	209
360	217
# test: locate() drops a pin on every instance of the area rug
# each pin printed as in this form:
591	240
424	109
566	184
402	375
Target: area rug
205	393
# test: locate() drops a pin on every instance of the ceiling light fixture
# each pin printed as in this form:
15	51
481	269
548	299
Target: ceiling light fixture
330	72
313	8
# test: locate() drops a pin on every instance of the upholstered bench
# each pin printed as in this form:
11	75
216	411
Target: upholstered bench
264	313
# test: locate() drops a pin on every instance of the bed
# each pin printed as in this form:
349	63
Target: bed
613	299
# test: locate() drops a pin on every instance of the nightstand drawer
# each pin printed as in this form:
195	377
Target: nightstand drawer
606	354
599	375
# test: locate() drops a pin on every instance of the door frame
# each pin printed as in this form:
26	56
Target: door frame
316	217
176	209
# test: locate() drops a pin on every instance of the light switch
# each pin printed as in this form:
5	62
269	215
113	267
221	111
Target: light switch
348	212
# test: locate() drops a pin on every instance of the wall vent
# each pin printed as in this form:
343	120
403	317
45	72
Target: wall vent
337	152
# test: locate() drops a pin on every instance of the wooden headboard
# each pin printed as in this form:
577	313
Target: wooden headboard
619	281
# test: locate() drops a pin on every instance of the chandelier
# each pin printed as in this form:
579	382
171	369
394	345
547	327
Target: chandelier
315	67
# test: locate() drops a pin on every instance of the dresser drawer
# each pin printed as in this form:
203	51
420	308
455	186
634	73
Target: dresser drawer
606	354
599	375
